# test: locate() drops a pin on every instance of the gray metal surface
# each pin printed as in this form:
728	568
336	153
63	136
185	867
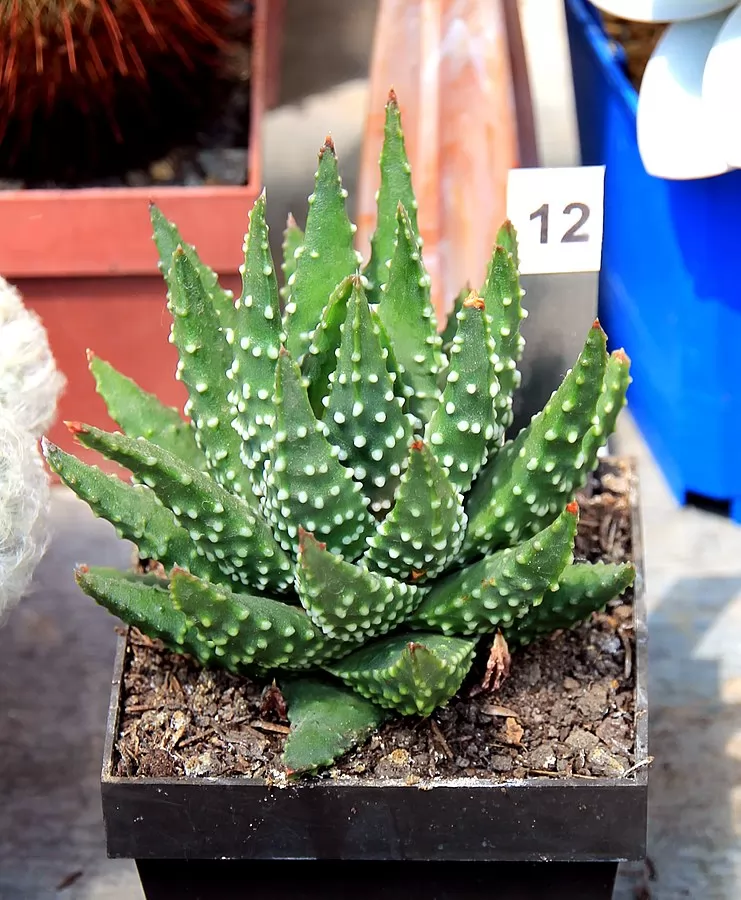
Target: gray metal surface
561	309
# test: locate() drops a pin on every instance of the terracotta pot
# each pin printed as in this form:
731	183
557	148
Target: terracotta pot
86	263
459	70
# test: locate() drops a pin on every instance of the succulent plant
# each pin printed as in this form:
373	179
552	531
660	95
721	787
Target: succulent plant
343	506
96	60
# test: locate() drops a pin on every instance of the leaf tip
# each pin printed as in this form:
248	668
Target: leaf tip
573	508
307	537
473	301
47	448
621	356
393	100
75	427
328	146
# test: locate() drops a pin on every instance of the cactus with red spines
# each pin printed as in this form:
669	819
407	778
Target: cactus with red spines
94	60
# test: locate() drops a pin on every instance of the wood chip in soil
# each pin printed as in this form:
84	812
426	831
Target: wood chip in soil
566	709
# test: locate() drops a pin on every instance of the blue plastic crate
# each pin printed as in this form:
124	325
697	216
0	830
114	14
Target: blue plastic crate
670	287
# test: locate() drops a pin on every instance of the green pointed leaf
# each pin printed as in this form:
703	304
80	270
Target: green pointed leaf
502	295
325	258
321	359
583	588
532	477
364	417
243	630
140	603
396	372
140	414
305	484
611	402
168	239
224	529
205	359
462	428
396	187
255	343
499	590
406	312
451	326
134	511
327	719
293	238
348	603
412	673
150	578
423	533
507	238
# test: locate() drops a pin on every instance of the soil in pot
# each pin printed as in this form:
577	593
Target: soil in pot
638	40
187	124
566	709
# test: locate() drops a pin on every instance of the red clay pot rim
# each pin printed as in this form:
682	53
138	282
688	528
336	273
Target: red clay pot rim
106	231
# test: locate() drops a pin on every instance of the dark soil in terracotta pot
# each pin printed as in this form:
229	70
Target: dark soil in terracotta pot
187	127
638	40
566	709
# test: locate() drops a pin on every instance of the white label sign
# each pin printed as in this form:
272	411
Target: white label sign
558	214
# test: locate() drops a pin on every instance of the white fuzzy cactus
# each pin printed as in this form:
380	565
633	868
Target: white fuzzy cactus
29	380
24	501
29	386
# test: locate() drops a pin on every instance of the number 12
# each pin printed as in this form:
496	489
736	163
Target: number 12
573	235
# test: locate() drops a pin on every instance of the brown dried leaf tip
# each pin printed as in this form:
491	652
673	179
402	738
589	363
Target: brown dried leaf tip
473	301
621	355
498	665
273	701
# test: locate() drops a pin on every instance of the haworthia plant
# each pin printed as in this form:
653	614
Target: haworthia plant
339	498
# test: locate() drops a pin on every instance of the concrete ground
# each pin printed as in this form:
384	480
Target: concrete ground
56	648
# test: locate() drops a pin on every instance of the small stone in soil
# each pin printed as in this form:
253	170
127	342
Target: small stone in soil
501	763
615	734
579	739
543	757
513	732
602	762
224	165
593	705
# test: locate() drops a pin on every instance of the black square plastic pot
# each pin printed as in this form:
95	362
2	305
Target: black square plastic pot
229	838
